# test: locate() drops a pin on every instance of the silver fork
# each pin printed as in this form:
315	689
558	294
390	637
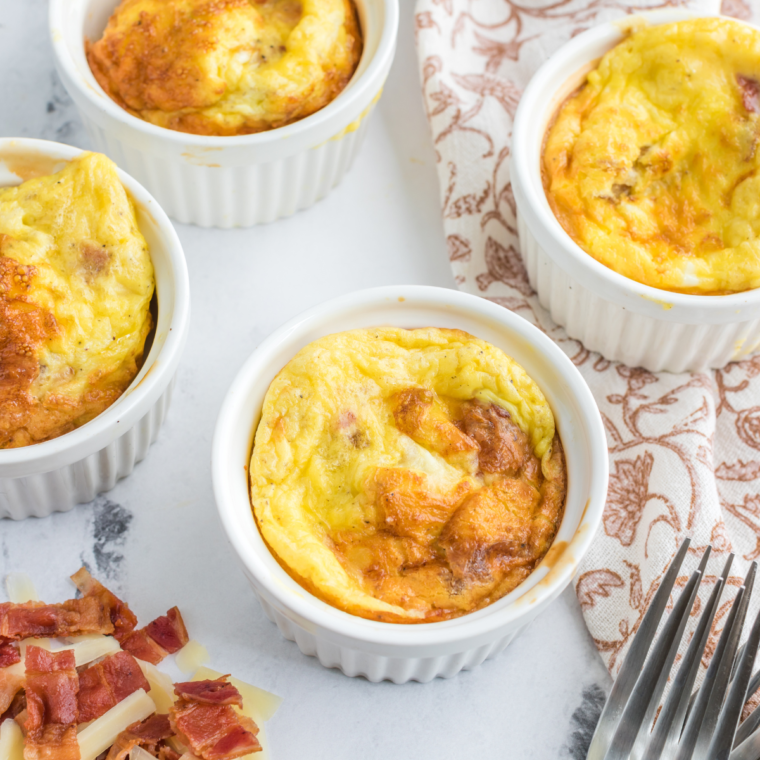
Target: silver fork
702	726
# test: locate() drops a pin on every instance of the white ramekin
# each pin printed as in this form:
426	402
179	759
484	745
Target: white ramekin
55	475
227	181
400	652
607	312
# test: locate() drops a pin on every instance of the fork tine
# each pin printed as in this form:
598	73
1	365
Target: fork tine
720	685
748	749
695	721
724	576
669	724
634	659
749	725
720	746
661	658
646	725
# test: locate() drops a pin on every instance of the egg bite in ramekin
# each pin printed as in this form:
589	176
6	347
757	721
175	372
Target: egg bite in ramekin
235	180
373	648
81	455
622	318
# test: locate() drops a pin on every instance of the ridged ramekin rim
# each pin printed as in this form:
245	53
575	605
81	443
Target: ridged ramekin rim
363	89
135	402
560	247
393	637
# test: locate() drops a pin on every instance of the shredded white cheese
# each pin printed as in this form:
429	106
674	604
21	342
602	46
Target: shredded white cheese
191	656
138	753
24	643
20	588
102	733
161	686
11	741
90	647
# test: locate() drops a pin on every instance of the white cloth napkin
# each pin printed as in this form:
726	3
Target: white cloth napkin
684	449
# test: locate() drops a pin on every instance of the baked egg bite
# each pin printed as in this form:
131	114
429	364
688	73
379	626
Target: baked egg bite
226	67
652	166
406	476
76	282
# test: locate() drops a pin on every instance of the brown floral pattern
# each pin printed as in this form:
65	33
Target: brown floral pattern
627	496
684	449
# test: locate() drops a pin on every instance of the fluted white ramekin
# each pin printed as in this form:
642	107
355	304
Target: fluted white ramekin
390	651
55	475
227	181
622	319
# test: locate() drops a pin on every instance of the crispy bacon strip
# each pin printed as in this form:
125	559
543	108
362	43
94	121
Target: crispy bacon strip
72	618
9	655
212	731
219	692
165	635
51	696
146	734
104	685
123	619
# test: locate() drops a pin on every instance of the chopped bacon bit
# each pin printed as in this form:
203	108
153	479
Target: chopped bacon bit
72	618
167	753
146	734
10	685
51	693
212	731
17	705
21	718
165	635
9	655
234	743
218	692
168	631
143	647
123	619
750	89
152	730
104	685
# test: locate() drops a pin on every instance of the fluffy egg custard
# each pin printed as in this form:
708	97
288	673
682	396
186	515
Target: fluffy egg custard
406	476
653	167
226	67
76	282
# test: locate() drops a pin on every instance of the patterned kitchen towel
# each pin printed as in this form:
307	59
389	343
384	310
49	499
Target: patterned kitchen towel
684	449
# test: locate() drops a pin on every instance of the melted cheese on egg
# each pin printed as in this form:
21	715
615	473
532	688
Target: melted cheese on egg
226	67
653	166
76	281
406	475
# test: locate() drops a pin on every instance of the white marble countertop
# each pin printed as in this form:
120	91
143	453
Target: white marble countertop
156	538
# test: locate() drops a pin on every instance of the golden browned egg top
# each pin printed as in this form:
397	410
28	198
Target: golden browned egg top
76	281
653	167
407	475
226	67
